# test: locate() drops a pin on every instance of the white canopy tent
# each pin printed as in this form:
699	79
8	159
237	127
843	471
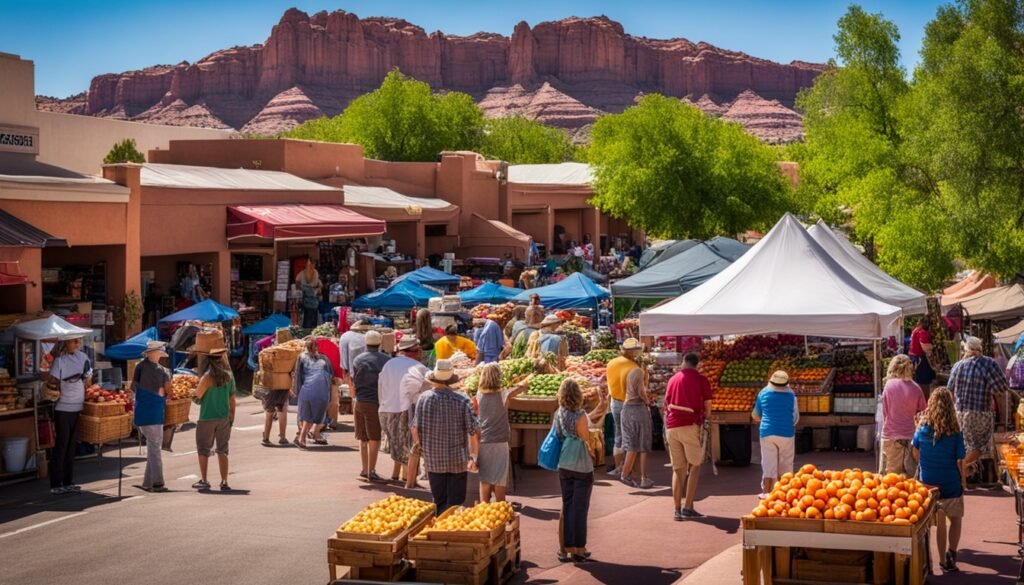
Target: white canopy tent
786	283
52	327
885	287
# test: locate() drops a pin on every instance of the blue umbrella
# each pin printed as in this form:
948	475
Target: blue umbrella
132	348
268	326
488	292
428	275
575	292
209	311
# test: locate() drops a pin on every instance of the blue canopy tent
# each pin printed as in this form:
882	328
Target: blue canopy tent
575	292
208	311
132	348
268	326
682	272
488	292
429	276
401	296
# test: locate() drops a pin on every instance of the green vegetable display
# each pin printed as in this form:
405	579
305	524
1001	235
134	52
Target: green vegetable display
528	418
513	369
601	355
327	329
750	370
545	385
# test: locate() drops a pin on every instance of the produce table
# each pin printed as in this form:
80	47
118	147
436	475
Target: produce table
806	420
768	544
1010	472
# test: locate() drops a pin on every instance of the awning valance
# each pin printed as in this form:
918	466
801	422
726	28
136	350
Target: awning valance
299	222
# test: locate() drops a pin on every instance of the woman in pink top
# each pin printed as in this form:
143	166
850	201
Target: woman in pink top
902	399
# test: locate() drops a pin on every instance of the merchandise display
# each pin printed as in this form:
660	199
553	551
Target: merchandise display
545	385
183	386
518	417
388	516
484	516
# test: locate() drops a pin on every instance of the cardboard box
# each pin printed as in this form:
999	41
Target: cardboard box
276	381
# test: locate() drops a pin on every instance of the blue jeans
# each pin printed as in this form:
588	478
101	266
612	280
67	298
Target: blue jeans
617	417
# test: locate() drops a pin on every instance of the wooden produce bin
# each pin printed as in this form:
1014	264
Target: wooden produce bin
467	557
372	557
176	411
100	430
793	551
101	409
528	438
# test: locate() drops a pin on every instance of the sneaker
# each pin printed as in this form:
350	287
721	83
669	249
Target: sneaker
678	516
950	565
628	481
615	471
73	488
646	483
374	477
224	487
691	513
266	441
58	491
762	496
362	474
201	485
284	441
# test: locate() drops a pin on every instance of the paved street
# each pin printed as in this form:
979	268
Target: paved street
274	530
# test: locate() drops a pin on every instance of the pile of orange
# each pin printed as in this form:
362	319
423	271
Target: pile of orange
733	399
850	494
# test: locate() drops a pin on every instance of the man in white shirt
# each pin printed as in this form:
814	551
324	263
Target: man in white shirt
401	381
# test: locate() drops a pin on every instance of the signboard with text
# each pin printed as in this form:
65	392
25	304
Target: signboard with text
19	139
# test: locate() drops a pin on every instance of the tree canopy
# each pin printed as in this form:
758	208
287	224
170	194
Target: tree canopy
675	172
521	141
124	151
930	169
402	120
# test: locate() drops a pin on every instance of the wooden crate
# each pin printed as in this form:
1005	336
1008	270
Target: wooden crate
382	542
384	574
808	570
542	404
96	430
176	411
373	556
101	409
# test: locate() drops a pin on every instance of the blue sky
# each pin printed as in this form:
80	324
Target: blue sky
73	40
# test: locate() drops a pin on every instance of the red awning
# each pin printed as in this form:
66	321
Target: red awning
12	279
299	222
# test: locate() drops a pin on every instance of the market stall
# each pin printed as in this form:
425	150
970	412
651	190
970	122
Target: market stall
403	295
682	271
490	293
132	348
430	277
787	283
575	292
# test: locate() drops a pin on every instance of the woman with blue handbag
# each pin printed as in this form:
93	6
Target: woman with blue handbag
570	425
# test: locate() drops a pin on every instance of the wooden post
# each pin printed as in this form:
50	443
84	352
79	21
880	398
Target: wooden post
782	562
751	574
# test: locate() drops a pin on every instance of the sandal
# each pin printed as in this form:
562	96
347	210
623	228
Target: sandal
224	487
266	441
284	441
320	441
563	557
201	485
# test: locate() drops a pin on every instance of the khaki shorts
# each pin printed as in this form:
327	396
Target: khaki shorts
898	457
777	455
367	421
210	431
684	446
952	507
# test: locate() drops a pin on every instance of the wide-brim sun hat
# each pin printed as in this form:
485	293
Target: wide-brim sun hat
373	338
360	326
408	342
550	320
779	378
631	343
443	374
214	351
155	347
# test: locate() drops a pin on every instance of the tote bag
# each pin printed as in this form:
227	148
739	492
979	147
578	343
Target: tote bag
551	449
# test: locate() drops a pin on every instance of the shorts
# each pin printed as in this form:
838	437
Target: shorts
396	428
493	463
777	455
617	419
209	432
923	372
275	401
636	428
367	421
952	507
684	446
977	429
898	457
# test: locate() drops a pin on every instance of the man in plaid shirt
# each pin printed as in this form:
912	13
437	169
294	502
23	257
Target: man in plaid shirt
444	424
973	381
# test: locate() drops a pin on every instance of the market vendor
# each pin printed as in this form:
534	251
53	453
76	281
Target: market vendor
309	284
452	342
151	383
523	330
617	372
72	372
548	340
490	343
920	350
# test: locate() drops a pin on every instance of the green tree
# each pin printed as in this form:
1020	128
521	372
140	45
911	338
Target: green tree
676	172
124	151
402	120
854	161
519	140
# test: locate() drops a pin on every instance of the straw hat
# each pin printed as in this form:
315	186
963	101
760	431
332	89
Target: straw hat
155	347
631	344
779	378
213	351
550	320
443	374
408	342
360	326
373	338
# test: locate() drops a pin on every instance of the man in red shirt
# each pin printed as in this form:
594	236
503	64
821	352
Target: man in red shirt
920	348
687	404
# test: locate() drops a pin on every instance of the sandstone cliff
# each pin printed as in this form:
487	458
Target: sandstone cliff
564	73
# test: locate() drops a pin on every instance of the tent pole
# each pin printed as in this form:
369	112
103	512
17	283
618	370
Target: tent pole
876	379
807	350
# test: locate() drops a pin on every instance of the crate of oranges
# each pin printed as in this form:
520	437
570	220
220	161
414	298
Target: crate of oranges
850	501
733	399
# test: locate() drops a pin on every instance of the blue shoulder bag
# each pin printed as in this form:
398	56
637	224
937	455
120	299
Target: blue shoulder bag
551	449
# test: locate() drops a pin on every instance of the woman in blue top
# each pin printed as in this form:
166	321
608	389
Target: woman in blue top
777	412
312	386
939	447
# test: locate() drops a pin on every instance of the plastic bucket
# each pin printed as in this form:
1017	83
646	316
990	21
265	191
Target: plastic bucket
15	453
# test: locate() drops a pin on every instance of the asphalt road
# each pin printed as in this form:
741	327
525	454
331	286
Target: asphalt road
273	529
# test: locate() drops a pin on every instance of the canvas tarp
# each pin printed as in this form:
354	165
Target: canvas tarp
400	296
299	222
786	283
192	177
663	251
567	173
488	292
208	311
575	292
132	348
885	287
997	304
973	285
682	272
52	327
361	196
1010	334
267	326
493	238
429	276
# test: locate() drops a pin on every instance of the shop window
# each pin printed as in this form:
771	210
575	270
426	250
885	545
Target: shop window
433	231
